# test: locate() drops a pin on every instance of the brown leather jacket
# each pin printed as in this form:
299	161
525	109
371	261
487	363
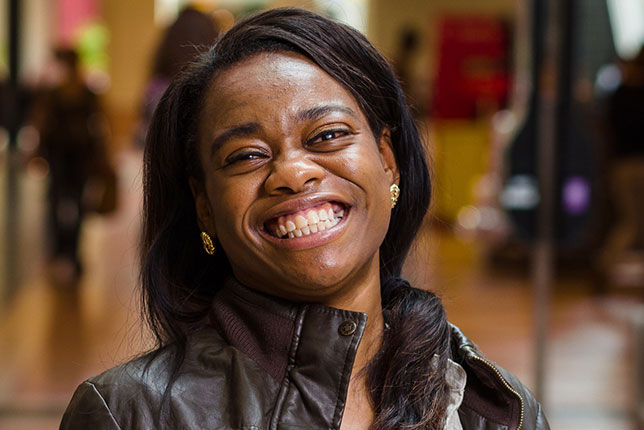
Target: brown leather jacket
270	364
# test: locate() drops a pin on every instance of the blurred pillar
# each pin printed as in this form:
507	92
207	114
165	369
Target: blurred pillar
13	123
133	37
638	324
553	78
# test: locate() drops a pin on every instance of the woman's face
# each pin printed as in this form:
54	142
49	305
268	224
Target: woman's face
295	185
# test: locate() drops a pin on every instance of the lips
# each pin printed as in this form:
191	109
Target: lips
307	222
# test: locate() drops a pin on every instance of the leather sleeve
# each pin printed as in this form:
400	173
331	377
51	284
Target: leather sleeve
542	422
533	415
88	410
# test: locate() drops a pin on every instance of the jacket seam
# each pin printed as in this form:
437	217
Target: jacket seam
335	312
336	413
295	345
105	405
347	368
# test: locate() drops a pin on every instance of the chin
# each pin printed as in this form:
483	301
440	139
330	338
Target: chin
307	286
300	285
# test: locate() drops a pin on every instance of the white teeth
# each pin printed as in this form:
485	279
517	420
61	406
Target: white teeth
313	222
300	222
313	218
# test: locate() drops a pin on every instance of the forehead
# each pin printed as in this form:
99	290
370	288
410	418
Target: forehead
267	83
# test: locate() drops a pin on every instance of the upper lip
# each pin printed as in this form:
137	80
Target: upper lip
302	203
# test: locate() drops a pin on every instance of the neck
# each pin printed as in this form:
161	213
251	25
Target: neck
366	299
358	411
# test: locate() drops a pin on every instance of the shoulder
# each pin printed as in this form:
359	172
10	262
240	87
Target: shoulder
130	395
99	401
492	394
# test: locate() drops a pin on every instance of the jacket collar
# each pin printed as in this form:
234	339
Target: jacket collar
489	393
259	325
308	349
284	337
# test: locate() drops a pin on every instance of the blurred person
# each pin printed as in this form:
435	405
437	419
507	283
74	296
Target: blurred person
284	184
403	63
192	32
69	119
625	117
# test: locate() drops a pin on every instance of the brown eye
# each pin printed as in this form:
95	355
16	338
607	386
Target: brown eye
244	156
327	135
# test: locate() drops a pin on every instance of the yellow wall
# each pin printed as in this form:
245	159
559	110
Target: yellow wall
133	37
460	158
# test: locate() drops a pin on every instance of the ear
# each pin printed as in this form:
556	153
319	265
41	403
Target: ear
387	157
202	207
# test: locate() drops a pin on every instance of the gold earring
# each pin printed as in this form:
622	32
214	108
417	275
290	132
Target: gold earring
208	246
395	193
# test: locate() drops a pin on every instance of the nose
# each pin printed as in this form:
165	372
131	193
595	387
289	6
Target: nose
292	173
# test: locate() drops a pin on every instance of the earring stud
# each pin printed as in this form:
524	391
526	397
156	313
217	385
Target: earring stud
395	193
208	245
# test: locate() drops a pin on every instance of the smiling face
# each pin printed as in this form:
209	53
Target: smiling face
282	147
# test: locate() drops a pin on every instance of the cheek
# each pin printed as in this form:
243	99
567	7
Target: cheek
228	206
365	169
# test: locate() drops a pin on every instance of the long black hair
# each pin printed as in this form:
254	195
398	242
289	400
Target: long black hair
179	280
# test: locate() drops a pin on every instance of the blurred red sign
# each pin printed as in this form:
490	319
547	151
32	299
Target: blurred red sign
473	62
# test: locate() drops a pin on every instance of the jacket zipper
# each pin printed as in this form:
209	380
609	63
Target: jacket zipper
512	390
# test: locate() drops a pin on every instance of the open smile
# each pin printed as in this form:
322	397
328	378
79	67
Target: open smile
310	221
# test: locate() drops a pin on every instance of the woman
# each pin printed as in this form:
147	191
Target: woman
181	42
289	150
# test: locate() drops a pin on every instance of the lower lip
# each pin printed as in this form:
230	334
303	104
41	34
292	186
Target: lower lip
312	240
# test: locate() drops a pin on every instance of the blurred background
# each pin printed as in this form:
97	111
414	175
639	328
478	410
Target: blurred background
533	113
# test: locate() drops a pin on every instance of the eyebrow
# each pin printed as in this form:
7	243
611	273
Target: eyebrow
242	130
320	111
